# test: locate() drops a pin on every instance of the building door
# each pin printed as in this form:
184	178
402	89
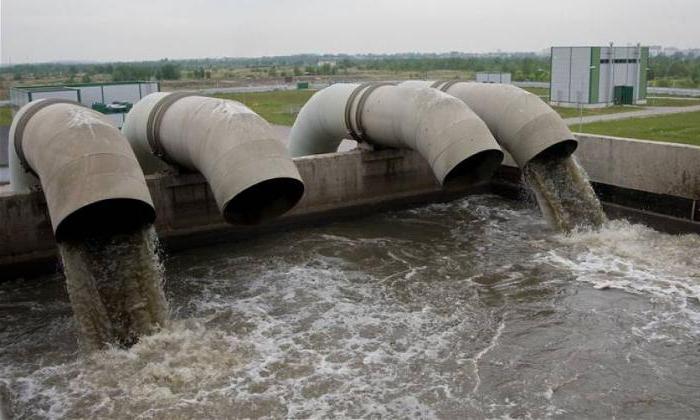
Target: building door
624	95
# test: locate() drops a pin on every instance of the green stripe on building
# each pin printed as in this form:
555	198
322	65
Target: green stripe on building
594	82
643	64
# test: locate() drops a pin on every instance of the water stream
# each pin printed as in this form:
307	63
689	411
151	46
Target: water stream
564	193
115	285
470	309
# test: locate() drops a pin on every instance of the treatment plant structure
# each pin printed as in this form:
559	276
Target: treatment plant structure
594	77
271	320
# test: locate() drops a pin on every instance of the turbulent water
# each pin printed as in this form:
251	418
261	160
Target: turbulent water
115	287
475	308
564	193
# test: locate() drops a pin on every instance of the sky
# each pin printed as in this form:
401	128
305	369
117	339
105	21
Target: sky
127	30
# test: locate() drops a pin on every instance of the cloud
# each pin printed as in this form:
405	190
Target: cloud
48	30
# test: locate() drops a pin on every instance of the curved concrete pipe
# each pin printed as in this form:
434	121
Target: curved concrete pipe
89	175
523	124
249	171
454	141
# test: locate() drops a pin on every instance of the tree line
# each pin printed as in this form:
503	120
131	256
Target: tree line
680	69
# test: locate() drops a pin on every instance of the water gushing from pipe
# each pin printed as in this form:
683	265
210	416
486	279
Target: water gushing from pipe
115	286
101	212
564	193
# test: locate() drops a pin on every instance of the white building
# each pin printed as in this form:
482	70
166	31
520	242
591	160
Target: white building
598	76
493	78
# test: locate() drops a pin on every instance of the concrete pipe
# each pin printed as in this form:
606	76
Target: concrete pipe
88	173
454	141
523	124
249	171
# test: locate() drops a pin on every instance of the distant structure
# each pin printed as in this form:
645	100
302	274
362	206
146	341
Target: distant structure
493	78
112	99
598	76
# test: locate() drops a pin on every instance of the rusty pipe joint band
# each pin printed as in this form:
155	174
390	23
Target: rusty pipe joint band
154	120
348	110
444	85
24	120
356	130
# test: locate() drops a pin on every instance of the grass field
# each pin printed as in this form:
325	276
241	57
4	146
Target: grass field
669	101
538	91
278	107
675	128
5	116
574	112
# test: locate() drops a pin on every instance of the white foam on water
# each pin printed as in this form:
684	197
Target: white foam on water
636	259
185	364
350	325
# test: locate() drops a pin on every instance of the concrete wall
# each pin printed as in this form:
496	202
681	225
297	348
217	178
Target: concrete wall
655	167
337	184
660	168
657	183
652	177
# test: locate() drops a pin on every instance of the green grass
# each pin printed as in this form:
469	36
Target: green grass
278	107
538	91
5	116
574	112
675	128
669	101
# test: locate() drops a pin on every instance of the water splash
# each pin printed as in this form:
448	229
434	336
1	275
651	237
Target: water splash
384	316
626	256
564	193
115	287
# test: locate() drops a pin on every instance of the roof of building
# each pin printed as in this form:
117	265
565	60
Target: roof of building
75	86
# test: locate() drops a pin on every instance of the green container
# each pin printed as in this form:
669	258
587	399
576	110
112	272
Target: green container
302	85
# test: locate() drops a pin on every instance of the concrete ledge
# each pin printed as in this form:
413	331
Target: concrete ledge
653	181
337	185
657	167
648	178
670	169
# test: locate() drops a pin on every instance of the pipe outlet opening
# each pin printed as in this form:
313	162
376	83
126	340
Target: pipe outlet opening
562	149
475	169
105	218
263	201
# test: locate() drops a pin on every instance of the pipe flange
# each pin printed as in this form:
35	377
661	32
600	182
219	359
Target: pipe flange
444	85
24	120
348	110
154	120
357	131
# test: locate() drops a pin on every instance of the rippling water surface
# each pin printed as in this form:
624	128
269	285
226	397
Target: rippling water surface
472	308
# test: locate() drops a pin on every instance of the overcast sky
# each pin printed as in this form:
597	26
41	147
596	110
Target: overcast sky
51	30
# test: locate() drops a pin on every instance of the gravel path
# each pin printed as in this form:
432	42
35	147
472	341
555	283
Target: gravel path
649	112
